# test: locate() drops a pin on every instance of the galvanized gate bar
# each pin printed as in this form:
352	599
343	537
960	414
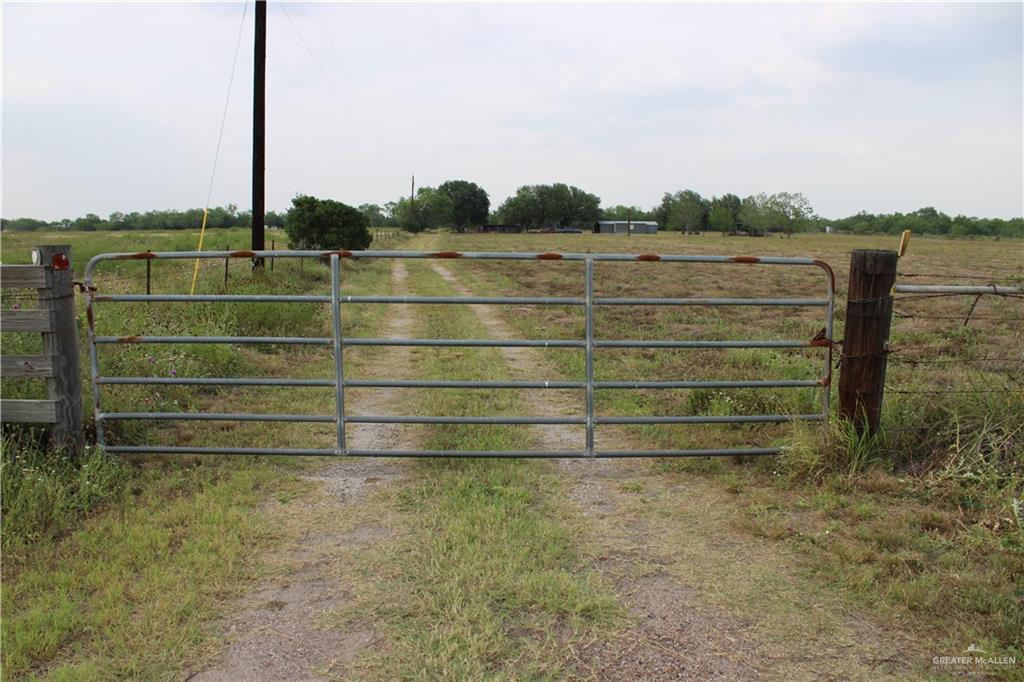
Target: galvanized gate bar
999	290
793	302
339	374
589	331
247	340
338	342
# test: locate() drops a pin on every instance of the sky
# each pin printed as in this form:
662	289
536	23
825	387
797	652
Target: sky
879	107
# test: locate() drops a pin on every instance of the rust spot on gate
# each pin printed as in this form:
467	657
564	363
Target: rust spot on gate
745	259
242	254
141	255
128	339
340	254
648	257
549	256
828	270
446	254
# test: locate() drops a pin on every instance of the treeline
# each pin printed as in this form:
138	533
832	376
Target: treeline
464	205
189	219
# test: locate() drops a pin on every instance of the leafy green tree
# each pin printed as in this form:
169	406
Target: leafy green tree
720	218
470	203
732	204
787	212
551	205
325	224
620	212
685	210
374	215
430	209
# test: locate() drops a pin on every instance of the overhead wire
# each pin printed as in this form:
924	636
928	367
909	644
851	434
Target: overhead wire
220	140
323	73
348	76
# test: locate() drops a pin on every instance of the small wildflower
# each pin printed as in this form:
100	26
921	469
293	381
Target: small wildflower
151	359
174	372
16	306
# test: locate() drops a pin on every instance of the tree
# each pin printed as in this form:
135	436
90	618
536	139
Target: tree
323	224
430	209
724	213
89	223
621	212
470	203
720	218
785	211
374	215
685	210
551	205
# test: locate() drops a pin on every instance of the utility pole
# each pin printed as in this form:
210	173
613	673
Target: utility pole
259	137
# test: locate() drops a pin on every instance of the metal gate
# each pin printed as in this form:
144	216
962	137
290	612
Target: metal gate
338	341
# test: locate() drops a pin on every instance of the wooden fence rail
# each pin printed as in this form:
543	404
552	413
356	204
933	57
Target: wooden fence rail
59	363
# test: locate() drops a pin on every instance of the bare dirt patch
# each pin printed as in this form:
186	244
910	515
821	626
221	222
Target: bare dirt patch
279	633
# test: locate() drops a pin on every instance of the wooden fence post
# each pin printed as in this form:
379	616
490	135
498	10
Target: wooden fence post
866	338
61	344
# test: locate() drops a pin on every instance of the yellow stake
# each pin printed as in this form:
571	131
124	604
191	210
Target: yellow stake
195	270
904	240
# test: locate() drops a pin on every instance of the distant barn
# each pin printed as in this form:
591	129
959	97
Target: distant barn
626	227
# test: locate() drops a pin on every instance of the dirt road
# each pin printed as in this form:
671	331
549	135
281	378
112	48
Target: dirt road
704	600
707	601
278	634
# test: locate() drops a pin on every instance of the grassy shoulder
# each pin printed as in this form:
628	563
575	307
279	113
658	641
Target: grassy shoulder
120	567
486	577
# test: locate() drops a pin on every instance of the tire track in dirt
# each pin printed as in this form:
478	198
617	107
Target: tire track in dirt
276	635
672	636
677	634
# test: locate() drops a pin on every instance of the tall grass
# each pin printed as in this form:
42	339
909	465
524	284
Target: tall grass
45	492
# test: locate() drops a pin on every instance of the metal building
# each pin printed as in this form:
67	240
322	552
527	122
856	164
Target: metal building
626	227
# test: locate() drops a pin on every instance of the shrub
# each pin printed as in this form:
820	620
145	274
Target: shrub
323	224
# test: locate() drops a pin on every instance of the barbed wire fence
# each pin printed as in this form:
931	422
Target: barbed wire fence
955	335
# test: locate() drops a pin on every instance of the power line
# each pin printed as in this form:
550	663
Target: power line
220	140
344	69
323	73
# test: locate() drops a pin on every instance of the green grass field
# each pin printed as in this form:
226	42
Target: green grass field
122	567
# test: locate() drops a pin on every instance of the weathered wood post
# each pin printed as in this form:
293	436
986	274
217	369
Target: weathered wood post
61	345
866	339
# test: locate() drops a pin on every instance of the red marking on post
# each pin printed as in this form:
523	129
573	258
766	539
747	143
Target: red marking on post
60	261
242	254
549	256
745	259
128	339
446	254
648	257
